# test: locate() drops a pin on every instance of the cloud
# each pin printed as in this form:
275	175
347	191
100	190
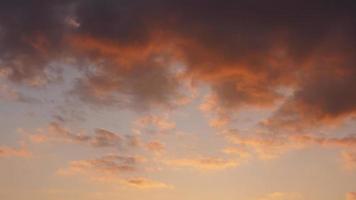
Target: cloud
267	145
113	169
203	163
129	55
264	145
240	151
101	137
351	196
144	183
10	94
14	152
345	142
349	159
154	124
104	138
281	196
133	47
155	146
30	41
58	132
109	164
324	97
140	77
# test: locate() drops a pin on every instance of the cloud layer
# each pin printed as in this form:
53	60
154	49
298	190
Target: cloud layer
296	59
244	50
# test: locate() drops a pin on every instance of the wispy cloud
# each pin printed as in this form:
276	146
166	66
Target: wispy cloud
155	146
153	124
203	163
109	164
281	196
144	183
113	169
100	138
6	151
10	94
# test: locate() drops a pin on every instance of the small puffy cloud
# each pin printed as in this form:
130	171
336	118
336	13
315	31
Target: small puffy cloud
72	22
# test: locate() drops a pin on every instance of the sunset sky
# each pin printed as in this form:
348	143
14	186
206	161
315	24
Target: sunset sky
177	100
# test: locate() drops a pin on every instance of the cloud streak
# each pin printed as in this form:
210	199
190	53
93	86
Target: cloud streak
6	151
109	164
99	139
113	168
203	163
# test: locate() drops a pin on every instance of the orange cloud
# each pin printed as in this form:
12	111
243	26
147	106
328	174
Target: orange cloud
346	142
265	145
241	152
101	137
144	183
281	196
140	77
155	146
351	196
349	159
204	163
112	169
14	152
242	67
268	145
109	164
154	124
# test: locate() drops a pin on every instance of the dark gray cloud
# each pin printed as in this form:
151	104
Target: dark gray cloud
244	50
31	33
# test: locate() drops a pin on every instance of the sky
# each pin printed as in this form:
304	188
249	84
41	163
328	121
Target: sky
177	99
